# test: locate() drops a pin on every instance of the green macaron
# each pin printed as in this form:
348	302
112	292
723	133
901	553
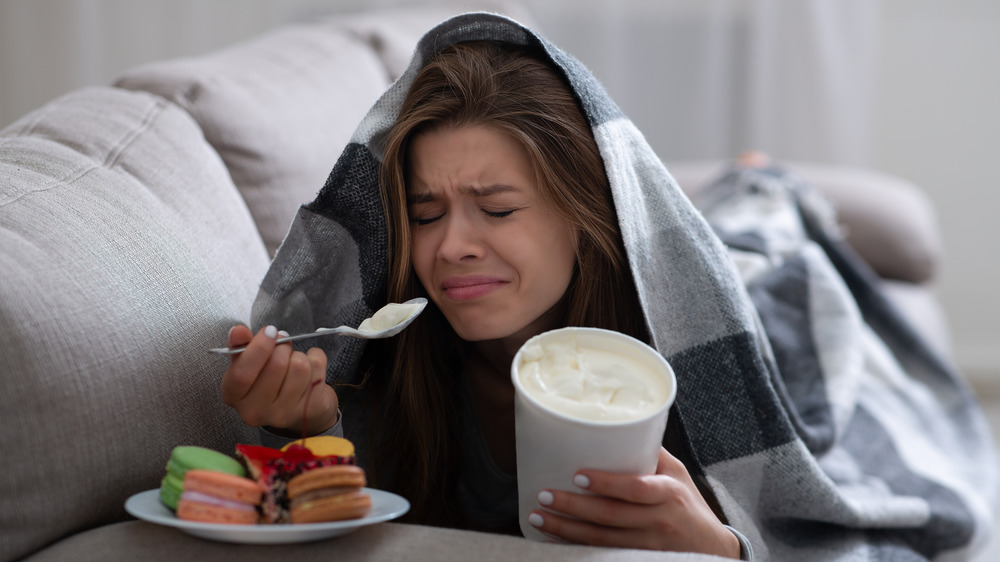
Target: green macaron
189	457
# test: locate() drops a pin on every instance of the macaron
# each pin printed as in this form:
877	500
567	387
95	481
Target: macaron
325	446
329	493
273	468
218	497
190	457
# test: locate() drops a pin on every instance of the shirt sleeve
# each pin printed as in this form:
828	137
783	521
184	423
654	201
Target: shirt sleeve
746	549
275	441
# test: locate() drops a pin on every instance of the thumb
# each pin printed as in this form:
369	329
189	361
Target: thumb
669	464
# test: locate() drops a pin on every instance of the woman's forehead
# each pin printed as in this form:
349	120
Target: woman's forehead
476	161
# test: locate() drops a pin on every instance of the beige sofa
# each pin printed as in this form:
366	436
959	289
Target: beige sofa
136	221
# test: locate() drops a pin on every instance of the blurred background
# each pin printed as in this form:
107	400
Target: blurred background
908	87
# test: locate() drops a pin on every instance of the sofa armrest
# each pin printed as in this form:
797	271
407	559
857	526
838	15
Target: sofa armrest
888	221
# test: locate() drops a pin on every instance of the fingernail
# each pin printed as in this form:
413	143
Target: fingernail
581	481
283	333
270	331
230	335
536	520
545	497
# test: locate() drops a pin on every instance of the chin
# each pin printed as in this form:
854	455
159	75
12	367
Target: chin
514	332
493	323
478	333
481	329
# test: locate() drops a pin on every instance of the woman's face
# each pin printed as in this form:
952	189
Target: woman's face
488	251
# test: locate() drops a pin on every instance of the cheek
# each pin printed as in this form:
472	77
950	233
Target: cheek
554	262
564	247
567	262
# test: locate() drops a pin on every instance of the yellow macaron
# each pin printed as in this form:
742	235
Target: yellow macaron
325	446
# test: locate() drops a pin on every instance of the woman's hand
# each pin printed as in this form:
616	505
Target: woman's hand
662	511
268	384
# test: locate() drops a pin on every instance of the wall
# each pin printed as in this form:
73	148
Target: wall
938	124
908	87
48	47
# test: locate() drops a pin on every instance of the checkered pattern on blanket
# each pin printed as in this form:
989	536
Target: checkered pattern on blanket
825	427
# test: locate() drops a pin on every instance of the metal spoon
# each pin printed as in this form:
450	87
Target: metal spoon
359	332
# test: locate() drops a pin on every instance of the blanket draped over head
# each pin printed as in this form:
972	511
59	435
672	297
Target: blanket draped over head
825	427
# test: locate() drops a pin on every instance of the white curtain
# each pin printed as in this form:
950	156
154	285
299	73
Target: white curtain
701	78
710	78
49	47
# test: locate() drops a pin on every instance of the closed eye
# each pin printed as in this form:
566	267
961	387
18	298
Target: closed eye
421	222
498	214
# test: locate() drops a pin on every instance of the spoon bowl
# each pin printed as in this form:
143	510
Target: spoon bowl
418	304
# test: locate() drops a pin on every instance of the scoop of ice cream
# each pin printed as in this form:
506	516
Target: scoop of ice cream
589	383
388	316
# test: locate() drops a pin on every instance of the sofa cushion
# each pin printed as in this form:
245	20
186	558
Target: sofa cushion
279	109
126	252
388	541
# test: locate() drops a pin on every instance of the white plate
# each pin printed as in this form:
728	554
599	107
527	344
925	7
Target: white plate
147	506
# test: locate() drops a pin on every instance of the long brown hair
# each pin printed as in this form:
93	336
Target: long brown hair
511	90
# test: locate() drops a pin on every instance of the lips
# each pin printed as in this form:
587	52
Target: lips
470	286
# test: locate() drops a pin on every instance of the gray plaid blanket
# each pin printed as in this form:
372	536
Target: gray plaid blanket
825	427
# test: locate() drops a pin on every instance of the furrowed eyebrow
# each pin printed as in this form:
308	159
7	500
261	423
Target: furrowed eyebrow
487	190
483	191
416	198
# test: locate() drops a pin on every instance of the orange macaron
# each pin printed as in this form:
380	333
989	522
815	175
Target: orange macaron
216	497
329	493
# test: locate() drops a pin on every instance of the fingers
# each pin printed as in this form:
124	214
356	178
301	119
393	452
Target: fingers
582	532
272	385
239	336
317	364
277	396
322	399
245	368
613	511
647	490
616	500
288	385
605	512
671	465
686	532
663	511
304	402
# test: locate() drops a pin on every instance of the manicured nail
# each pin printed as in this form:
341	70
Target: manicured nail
581	481
283	333
270	331
545	497
536	520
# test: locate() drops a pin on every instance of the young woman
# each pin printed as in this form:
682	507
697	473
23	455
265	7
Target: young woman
497	179
501	214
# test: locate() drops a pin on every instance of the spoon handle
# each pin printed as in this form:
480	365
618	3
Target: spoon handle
417	306
319	332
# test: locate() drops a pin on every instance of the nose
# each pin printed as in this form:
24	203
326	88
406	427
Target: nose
462	239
